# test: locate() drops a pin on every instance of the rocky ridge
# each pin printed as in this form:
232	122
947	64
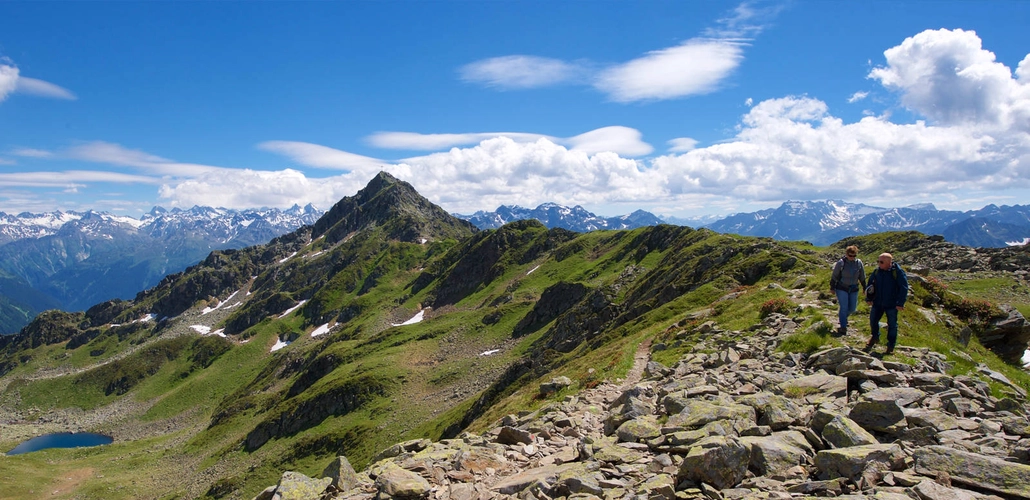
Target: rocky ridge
734	418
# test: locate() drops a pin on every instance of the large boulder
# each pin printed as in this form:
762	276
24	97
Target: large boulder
297	486
852	462
720	461
776	453
978	471
842	432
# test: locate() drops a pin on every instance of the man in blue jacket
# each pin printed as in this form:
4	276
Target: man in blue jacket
886	294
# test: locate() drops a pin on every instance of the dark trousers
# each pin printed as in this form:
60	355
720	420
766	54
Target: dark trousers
875	313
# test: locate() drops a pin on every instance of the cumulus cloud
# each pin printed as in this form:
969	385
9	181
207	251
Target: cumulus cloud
947	76
245	188
695	67
521	72
617	139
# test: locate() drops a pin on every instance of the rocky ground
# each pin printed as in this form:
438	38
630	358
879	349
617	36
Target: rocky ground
735	419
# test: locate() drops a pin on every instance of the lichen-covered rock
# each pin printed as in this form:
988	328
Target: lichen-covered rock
777	453
880	416
719	460
697	413
979	471
851	462
342	475
398	482
842	432
297	486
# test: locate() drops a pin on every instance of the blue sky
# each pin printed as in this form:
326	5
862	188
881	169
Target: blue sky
679	108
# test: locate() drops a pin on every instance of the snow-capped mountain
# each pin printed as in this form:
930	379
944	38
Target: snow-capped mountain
554	215
826	222
77	259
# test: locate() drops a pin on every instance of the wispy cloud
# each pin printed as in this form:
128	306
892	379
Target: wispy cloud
115	154
521	72
68	178
695	67
315	155
32	153
12	81
857	96
41	88
435	142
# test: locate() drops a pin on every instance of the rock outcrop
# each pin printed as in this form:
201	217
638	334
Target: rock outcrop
734	419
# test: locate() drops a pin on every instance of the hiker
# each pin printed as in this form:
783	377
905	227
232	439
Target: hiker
886	294
847	278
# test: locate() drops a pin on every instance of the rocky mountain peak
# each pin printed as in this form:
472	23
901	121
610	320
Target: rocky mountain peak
395	206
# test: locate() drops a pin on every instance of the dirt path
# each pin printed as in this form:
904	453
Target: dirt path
640	359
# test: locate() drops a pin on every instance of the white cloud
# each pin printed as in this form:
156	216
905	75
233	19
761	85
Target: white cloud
946	76
115	154
32	153
617	139
11	81
5	161
695	67
682	144
621	140
857	96
521	72
70	178
8	80
315	155
41	88
436	142
245	188
749	102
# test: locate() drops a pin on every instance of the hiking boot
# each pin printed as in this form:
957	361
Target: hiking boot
869	346
890	350
842	331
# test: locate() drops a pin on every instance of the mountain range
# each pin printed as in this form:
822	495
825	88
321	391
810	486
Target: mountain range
825	222
71	260
388	322
554	215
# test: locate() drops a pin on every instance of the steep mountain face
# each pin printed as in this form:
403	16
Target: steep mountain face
823	223
74	260
553	215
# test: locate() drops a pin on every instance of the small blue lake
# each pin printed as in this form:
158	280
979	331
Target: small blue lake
61	440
